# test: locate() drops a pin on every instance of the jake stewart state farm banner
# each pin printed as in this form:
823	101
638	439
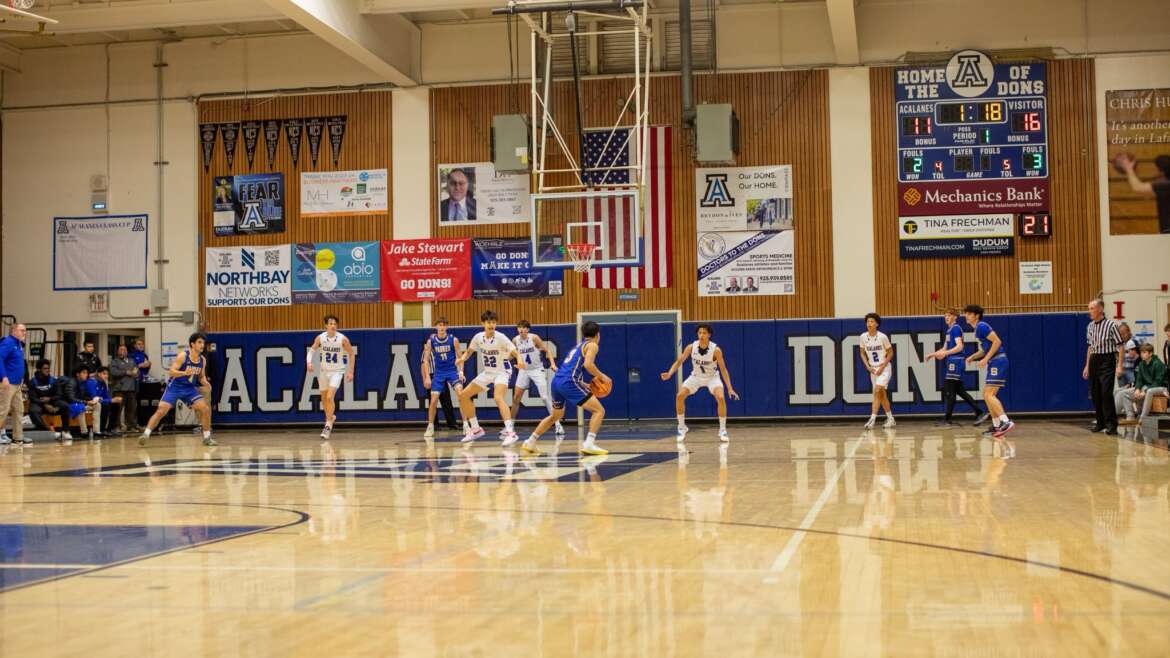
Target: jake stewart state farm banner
426	270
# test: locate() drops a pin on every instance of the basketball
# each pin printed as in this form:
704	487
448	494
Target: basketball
599	388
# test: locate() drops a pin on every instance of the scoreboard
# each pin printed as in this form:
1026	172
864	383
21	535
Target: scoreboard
972	150
997	138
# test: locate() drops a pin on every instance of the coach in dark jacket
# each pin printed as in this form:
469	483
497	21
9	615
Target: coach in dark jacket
124	383
88	358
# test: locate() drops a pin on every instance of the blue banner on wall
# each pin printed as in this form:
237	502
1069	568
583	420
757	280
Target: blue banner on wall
780	368
332	272
252	203
502	268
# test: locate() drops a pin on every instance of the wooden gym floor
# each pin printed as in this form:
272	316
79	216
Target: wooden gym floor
794	540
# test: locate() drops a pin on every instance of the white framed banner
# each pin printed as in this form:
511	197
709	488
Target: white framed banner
237	277
747	263
1035	277
341	193
475	193
744	199
100	253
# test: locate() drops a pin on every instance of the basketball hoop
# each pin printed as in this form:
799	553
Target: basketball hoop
581	254
22	4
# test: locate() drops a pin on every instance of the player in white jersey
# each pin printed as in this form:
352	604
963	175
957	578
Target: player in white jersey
337	362
496	355
877	354
709	371
531	351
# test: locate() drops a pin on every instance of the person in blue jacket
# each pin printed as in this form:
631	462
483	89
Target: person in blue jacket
97	393
11	379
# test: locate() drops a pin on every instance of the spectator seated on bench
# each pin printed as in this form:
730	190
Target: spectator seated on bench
70	392
1149	383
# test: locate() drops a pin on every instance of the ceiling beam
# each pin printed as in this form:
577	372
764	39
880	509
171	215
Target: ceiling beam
390	46
843	25
405	6
151	14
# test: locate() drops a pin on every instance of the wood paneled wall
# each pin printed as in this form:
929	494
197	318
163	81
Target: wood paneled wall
904	286
783	120
366	146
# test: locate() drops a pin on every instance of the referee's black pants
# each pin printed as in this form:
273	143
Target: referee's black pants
1102	374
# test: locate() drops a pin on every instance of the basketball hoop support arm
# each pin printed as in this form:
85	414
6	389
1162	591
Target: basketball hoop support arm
569	5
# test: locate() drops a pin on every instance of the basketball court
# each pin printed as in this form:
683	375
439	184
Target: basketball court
578	328
794	539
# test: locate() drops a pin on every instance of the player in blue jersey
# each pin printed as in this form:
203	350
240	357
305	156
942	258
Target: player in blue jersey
951	355
187	378
571	385
439	370
991	355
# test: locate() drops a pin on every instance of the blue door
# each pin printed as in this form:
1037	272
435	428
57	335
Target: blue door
650	349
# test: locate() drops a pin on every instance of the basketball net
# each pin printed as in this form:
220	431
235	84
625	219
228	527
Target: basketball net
581	254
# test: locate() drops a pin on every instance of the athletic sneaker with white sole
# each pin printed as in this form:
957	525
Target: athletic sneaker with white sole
472	434
889	422
509	438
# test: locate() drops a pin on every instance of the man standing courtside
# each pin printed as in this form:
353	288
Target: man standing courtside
1103	364
11	378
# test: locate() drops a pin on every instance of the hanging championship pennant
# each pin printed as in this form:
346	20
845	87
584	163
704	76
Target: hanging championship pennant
314	129
230	132
292	133
336	126
251	136
207	133
271	139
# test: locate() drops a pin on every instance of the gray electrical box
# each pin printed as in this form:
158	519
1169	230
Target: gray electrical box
716	133
510	142
160	298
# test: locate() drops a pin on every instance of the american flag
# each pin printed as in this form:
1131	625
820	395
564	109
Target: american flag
616	236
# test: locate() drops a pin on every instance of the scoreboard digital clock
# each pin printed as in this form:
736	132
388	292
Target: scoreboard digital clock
987	121
1035	225
972	150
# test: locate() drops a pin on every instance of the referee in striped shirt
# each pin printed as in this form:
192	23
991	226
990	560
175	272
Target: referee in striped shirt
1103	365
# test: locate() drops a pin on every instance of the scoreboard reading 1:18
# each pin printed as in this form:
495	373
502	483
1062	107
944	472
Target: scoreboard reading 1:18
958	139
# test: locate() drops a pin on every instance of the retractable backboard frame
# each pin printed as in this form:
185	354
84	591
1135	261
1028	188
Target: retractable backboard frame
539	16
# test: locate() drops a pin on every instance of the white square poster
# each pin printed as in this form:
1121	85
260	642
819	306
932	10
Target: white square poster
1035	277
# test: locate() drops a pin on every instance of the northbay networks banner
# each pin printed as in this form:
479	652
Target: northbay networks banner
247	276
779	367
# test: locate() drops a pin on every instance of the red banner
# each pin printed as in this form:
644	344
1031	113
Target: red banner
426	270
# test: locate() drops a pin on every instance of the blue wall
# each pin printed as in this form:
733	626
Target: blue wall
779	368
